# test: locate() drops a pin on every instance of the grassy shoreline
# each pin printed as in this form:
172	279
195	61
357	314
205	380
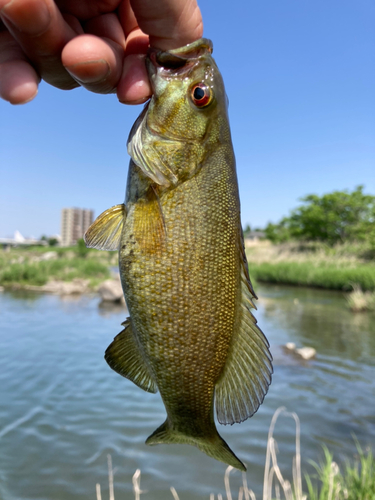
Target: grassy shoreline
35	267
343	267
314	265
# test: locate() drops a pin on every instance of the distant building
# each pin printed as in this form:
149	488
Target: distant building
20	240
74	223
254	238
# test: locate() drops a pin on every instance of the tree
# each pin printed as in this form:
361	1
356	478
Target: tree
82	250
278	233
247	230
333	218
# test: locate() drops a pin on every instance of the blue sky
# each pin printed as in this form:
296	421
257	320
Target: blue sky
300	76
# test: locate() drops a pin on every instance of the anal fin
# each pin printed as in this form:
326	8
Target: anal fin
125	357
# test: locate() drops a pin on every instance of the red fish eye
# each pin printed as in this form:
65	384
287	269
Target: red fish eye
201	95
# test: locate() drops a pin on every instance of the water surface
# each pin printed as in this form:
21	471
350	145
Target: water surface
62	410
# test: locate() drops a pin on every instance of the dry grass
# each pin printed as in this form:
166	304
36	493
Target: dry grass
312	252
309	264
359	301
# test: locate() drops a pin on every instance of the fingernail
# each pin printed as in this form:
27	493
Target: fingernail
89	72
32	21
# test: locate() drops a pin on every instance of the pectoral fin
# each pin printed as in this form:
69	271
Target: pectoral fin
124	356
149	226
105	232
248	369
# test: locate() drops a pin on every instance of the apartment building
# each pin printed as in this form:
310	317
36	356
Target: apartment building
74	223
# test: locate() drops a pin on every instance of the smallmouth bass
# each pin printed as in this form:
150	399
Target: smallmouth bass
182	262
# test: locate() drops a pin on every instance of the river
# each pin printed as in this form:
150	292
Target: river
62	410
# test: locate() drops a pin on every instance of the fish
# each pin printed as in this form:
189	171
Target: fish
191	334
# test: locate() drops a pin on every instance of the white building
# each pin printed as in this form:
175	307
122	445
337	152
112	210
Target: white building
74	224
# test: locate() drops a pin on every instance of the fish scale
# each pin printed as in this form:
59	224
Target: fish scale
183	268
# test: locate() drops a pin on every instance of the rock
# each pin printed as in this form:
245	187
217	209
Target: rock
291	346
48	256
77	286
306	352
109	308
1	288
111	291
19	260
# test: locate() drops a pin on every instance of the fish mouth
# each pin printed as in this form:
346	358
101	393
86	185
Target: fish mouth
176	61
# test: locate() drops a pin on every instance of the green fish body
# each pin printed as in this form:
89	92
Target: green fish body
190	334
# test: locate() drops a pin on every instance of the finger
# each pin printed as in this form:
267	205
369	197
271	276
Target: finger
106	26
134	86
18	79
84	10
95	63
169	23
42	32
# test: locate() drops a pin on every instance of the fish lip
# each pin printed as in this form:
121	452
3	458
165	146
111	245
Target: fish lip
175	61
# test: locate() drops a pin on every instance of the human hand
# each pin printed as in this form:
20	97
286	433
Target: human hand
97	44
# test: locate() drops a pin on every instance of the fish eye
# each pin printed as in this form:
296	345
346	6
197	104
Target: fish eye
201	95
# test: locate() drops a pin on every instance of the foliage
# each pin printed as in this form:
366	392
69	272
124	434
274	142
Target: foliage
357	482
246	230
334	217
81	248
29	272
52	242
359	478
329	479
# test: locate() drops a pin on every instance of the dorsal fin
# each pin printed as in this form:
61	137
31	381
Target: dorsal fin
124	356
247	373
105	232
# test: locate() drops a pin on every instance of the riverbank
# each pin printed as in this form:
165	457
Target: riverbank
344	267
312	264
48	269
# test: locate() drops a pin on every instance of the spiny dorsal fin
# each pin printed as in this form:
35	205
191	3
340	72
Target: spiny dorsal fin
105	232
125	357
248	369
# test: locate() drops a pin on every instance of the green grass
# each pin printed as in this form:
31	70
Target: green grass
323	274
313	264
19	267
356	482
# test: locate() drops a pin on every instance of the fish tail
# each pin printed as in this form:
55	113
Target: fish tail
214	446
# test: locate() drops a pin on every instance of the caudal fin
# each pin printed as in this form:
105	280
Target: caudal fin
213	446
